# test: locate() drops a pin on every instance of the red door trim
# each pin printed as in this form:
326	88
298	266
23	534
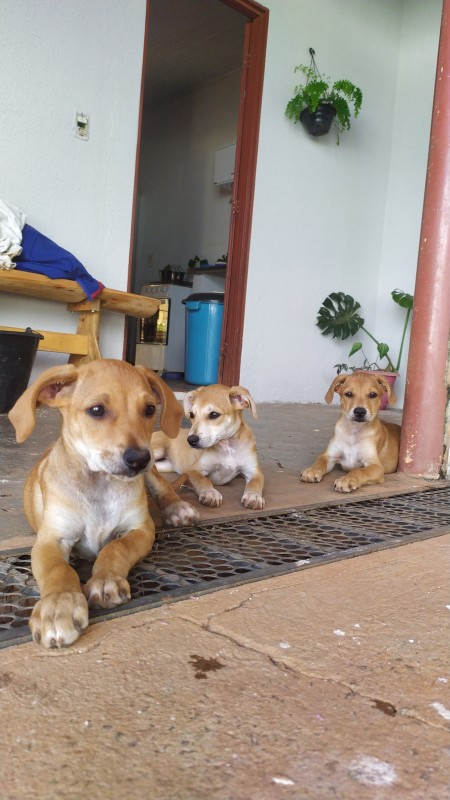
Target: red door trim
243	191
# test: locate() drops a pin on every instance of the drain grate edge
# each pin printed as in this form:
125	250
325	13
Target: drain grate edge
217	554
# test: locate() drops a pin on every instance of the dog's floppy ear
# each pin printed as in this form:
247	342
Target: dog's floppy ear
386	386
171	412
335	386
49	388
188	401
241	398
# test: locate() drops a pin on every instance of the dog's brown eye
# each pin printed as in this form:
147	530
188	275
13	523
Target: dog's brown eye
97	411
214	415
149	410
372	395
191	415
349	394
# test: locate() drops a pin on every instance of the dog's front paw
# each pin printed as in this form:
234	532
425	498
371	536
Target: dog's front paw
107	592
59	619
346	484
311	475
179	514
253	500
210	497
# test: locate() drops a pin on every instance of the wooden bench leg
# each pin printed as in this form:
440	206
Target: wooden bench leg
88	325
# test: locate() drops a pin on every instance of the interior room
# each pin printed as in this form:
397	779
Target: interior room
186	157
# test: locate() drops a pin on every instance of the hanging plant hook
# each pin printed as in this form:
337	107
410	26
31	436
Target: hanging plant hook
313	64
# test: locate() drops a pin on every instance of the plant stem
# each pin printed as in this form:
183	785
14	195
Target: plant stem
403	339
390	364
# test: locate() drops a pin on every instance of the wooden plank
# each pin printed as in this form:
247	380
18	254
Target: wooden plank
54	342
31	285
26	283
88	326
134	305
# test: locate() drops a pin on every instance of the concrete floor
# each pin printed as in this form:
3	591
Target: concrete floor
332	682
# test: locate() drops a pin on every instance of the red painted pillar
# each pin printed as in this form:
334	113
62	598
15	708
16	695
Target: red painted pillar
421	449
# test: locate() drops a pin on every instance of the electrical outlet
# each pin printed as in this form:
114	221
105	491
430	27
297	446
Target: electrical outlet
81	125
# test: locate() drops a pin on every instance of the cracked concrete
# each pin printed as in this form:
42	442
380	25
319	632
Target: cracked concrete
331	682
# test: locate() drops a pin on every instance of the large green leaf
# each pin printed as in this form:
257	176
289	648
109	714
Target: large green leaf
402	299
338	316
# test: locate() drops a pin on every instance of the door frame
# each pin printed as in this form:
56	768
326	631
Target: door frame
244	186
253	64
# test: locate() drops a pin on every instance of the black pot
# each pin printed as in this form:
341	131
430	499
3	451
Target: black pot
17	353
319	122
169	275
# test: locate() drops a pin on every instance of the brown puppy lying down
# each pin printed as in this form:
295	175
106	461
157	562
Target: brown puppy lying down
218	446
87	492
362	445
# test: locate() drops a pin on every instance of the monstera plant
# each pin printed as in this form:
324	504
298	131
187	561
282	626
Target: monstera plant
339	317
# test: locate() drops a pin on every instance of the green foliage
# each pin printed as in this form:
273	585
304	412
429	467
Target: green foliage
338	317
341	94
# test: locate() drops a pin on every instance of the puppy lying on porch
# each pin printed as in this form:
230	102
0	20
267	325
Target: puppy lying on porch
218	447
362	445
87	493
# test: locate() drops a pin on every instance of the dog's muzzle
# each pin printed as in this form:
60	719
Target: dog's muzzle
194	440
359	414
136	459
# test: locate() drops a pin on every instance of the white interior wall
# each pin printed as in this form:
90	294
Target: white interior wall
182	213
59	58
320	211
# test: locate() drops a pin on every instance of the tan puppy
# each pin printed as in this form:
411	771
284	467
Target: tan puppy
218	446
362	445
87	492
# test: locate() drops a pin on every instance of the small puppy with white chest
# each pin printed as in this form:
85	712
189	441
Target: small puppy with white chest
362	445
87	493
218	447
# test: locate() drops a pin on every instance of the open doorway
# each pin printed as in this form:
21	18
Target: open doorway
196	131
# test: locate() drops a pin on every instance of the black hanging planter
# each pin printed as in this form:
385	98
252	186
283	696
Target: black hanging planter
17	354
319	122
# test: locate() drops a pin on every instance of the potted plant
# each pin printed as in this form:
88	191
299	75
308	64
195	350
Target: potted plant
339	317
320	101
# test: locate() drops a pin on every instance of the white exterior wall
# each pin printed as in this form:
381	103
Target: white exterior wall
330	218
326	218
58	58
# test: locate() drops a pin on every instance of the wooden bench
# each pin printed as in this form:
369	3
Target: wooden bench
84	344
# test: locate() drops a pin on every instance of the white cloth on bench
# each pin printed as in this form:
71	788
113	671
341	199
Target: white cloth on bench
12	220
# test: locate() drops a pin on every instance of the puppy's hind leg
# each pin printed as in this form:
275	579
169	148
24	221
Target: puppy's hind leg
160	453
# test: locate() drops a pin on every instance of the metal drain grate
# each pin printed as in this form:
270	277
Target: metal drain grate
213	555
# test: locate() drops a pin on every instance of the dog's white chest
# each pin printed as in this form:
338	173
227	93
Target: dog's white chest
349	459
352	449
225	469
106	518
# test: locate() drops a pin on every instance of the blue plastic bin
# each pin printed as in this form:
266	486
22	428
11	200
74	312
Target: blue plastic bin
204	313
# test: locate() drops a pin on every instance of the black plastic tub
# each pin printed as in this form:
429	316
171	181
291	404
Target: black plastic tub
17	354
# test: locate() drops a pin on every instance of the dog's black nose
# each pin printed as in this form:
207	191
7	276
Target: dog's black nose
136	458
359	413
193	439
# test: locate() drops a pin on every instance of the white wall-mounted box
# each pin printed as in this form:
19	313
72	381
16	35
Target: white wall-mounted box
224	164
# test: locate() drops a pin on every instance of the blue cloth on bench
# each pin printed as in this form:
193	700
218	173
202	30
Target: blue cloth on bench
41	255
